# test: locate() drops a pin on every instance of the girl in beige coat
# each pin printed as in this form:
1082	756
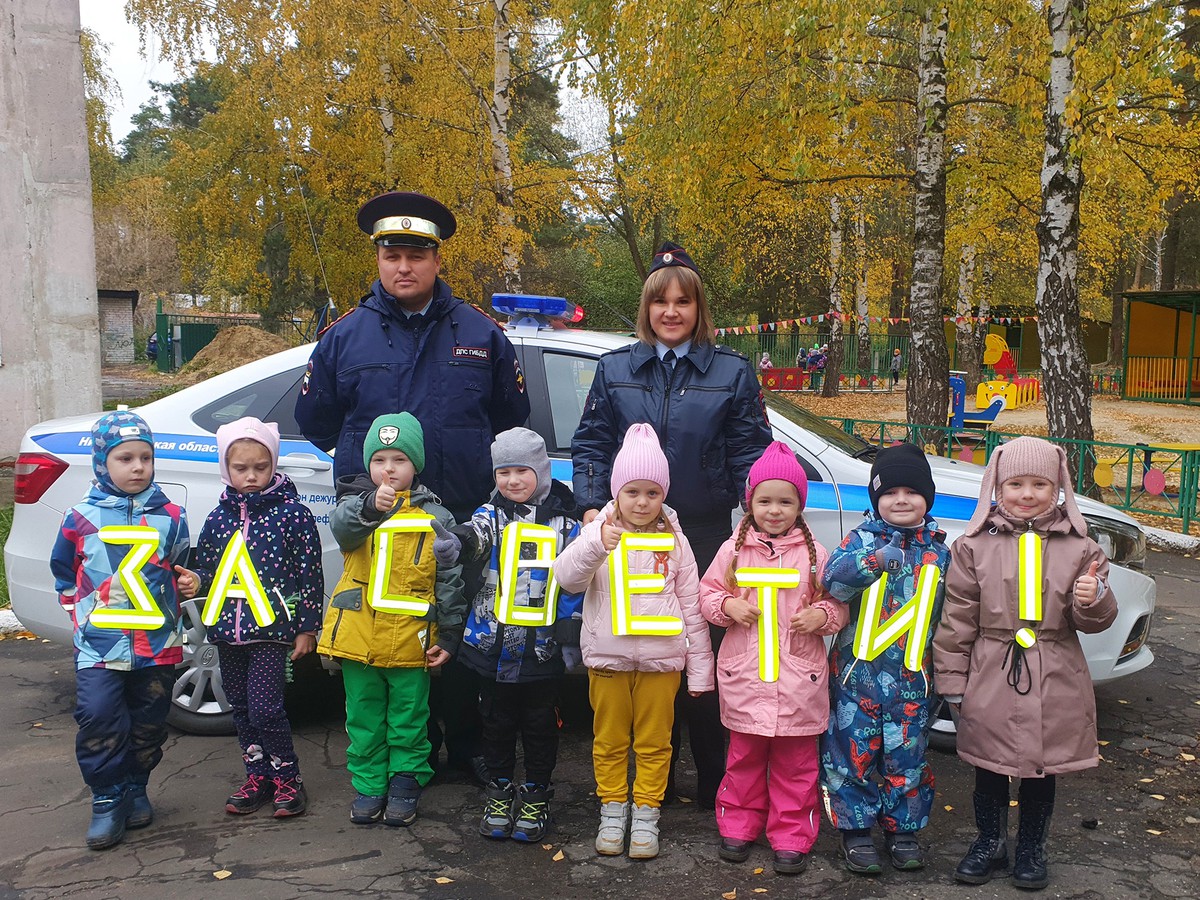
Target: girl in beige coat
1023	579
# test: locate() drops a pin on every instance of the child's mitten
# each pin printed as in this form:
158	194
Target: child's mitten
446	546
890	556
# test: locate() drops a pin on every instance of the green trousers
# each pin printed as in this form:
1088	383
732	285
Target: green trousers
387	711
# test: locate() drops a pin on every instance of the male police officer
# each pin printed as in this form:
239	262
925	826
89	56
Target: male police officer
410	345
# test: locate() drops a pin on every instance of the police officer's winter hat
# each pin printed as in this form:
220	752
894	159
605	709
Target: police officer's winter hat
522	447
110	430
402	218
396	431
670	254
902	465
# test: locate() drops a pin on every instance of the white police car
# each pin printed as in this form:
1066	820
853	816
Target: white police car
54	470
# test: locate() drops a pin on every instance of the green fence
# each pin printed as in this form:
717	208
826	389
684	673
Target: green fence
1154	479
784	346
181	337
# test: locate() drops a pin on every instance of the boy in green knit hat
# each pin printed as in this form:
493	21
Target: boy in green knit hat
396	613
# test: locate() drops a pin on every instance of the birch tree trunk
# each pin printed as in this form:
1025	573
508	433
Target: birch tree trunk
833	362
502	168
928	366
861	304
496	108
979	337
966	319
965	344
1067	381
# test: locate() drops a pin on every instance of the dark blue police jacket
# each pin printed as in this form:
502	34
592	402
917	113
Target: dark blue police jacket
709	415
452	367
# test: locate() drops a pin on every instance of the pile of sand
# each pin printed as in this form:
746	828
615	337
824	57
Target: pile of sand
232	347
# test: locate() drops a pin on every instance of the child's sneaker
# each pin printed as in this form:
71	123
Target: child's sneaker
904	850
614	819
290	797
643	833
250	796
110	807
497	821
859	851
366	808
141	813
533	813
404	793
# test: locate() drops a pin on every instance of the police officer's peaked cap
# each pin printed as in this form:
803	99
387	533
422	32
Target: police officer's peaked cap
670	254
405	219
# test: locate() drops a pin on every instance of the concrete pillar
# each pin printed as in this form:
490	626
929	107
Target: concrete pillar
49	319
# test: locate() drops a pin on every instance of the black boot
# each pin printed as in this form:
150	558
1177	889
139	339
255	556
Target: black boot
1029	868
989	853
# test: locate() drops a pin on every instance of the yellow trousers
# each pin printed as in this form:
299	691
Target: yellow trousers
642	703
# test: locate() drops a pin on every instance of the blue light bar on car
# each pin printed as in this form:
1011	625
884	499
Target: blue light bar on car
525	304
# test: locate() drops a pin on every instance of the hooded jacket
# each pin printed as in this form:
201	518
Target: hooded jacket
1051	728
513	653
797	703
583	566
285	549
451	367
708	413
86	579
353	628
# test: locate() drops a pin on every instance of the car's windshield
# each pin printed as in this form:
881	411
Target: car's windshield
831	434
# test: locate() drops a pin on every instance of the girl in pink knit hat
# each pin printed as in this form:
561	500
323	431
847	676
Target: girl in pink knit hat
259	524
641	627
772	669
1023	579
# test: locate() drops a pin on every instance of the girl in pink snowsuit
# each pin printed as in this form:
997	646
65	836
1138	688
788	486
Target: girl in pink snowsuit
775	707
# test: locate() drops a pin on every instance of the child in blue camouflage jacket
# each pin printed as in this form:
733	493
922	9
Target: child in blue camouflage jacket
873	761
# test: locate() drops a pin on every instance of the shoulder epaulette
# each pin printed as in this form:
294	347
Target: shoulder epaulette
484	313
721	348
335	321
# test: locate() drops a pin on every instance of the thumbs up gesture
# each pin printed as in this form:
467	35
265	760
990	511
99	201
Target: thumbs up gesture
1087	587
187	582
446	545
891	556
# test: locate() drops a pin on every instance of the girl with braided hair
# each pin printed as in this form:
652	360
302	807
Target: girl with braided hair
763	587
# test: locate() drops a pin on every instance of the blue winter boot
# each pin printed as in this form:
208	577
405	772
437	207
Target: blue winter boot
110	808
141	813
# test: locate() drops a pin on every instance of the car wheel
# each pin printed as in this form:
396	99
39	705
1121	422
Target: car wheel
943	734
198	704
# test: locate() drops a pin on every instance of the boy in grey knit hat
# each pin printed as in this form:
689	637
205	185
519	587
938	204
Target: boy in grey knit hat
520	664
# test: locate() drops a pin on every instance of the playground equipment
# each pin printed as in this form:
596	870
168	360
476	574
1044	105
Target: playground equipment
1015	391
958	418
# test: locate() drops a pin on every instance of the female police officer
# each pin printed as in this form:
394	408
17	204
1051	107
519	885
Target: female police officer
706	405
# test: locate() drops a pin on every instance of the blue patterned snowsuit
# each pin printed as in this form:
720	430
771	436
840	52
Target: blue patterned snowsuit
880	714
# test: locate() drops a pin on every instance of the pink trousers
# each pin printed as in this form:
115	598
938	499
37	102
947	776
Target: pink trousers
770	782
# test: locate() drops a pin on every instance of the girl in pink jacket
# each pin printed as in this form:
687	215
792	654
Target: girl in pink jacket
763	587
636	640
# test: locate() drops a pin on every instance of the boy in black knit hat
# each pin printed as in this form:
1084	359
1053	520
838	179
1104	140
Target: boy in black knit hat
873	766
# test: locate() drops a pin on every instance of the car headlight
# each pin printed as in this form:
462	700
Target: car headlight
1124	545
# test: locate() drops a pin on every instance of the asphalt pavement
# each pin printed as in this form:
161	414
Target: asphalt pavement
1143	800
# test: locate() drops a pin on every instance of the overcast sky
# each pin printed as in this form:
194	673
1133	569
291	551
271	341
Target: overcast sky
131	70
